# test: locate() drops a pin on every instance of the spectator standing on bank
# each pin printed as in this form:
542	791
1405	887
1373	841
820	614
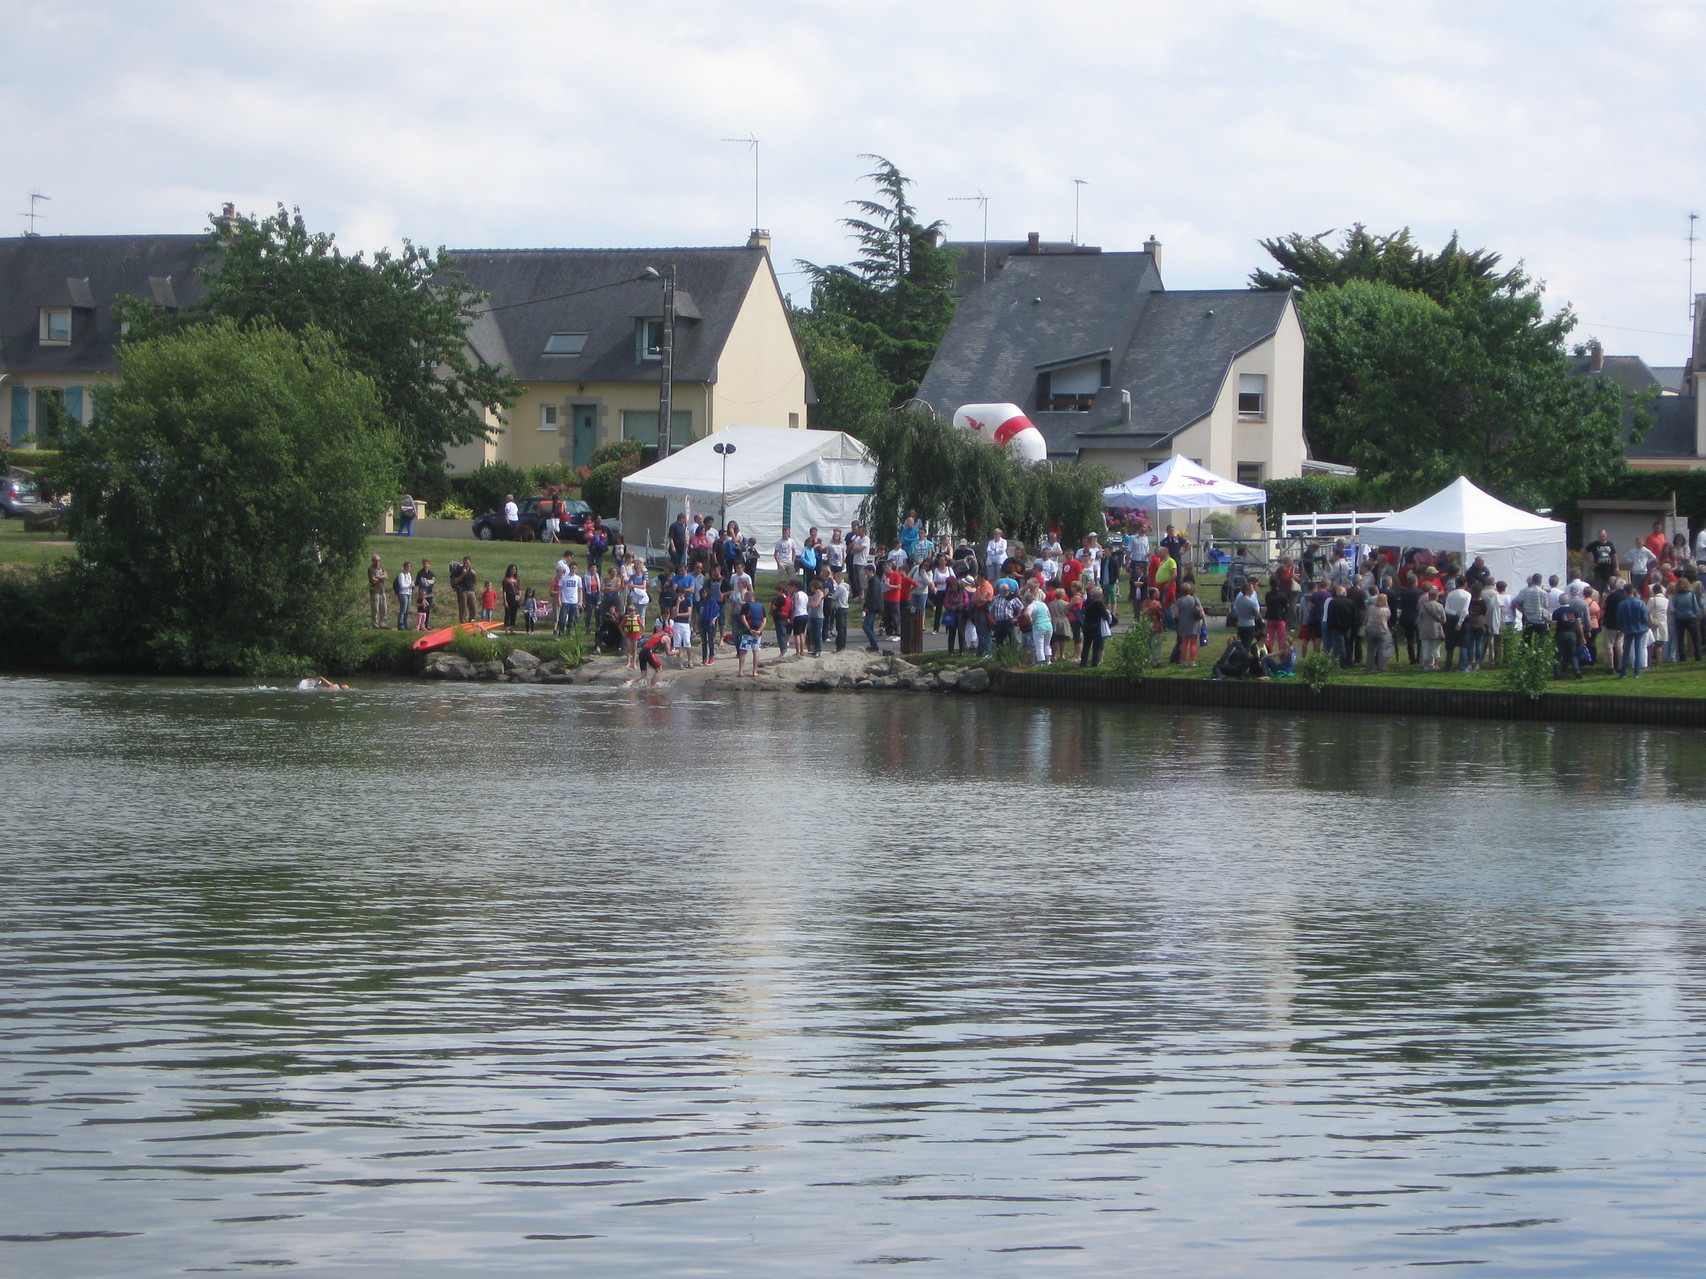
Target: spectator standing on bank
378	581
404	585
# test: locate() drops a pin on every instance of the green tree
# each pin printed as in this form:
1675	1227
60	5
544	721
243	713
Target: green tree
401	319
955	482
850	389
893	302
1420	367
224	494
1308	262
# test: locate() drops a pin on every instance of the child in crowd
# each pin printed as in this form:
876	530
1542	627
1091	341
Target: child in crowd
529	610
488	602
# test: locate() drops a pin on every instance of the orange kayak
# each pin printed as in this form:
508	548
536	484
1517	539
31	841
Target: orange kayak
444	634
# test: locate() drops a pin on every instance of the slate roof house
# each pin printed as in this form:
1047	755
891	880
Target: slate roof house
1675	438
58	330
1114	368
579	328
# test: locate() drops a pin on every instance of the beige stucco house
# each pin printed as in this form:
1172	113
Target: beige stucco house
580	330
1114	368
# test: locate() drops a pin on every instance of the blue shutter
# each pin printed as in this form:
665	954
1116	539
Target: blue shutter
20	412
74	405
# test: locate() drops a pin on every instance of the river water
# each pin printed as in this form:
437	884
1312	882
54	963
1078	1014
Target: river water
446	980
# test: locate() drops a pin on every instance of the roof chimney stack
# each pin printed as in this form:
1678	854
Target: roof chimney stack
1033	242
1596	356
759	239
1152	247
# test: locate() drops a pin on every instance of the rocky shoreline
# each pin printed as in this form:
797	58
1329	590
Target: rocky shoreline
852	672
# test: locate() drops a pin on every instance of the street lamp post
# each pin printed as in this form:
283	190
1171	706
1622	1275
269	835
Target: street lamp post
725	451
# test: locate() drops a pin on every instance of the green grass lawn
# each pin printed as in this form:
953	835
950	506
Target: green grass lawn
19	549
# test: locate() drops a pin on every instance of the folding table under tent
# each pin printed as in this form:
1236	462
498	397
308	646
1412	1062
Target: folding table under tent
776	476
1463	519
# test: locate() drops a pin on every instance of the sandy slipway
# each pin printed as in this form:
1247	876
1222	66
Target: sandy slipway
833	672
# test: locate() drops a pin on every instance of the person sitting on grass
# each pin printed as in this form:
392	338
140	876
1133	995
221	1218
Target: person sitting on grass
1281	663
1236	661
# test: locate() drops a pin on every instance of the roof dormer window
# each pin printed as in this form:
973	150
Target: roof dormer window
56	326
565	344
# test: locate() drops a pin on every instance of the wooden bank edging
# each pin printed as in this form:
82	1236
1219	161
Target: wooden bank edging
1366	699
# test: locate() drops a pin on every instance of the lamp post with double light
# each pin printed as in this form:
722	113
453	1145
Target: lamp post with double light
725	451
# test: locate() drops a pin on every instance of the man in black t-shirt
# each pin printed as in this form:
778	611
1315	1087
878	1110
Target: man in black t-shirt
1602	557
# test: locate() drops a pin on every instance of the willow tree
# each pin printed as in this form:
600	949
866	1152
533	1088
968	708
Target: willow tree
955	482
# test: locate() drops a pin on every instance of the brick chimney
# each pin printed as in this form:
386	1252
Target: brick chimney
1596	356
1033	242
759	239
1152	247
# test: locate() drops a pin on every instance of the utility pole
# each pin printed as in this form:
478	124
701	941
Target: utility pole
666	384
983	200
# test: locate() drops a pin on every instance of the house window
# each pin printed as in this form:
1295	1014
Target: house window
56	325
1072	389
52	419
1252	395
642	425
648	339
547	417
1250	474
565	344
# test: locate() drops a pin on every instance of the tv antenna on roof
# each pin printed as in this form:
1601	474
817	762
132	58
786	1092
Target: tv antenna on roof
36	197
1692	219
752	142
1078	185
981	199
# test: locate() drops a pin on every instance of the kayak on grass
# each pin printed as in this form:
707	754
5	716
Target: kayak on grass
444	634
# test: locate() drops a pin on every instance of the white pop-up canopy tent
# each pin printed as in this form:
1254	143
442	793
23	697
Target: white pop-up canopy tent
1180	484
1461	518
776	476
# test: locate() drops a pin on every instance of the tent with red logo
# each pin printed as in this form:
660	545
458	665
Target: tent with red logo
1180	484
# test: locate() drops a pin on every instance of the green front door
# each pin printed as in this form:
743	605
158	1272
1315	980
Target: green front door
586	433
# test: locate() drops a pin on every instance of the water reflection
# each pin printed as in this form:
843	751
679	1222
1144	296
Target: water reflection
515	980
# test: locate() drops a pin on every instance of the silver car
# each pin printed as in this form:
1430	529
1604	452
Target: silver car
17	496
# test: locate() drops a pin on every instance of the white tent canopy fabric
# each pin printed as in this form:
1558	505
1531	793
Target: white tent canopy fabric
1461	518
776	476
1180	484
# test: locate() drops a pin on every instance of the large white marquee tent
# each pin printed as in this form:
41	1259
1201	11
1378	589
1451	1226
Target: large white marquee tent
776	476
1461	518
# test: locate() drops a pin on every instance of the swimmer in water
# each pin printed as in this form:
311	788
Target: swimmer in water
319	682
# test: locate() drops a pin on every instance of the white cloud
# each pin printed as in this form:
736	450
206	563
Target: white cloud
1560	135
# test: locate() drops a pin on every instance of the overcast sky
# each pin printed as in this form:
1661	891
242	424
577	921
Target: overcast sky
1564	133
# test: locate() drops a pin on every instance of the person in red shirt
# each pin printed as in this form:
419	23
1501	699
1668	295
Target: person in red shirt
1071	571
649	650
1656	540
896	587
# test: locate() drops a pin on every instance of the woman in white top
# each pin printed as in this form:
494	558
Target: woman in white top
941	576
995	554
1658	626
1042	628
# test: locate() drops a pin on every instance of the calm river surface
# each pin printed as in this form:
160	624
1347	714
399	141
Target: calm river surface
430	980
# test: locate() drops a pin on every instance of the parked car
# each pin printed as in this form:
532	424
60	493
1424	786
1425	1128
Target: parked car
17	496
576	515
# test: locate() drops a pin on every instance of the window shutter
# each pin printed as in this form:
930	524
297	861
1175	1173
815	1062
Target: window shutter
20	412
74	404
